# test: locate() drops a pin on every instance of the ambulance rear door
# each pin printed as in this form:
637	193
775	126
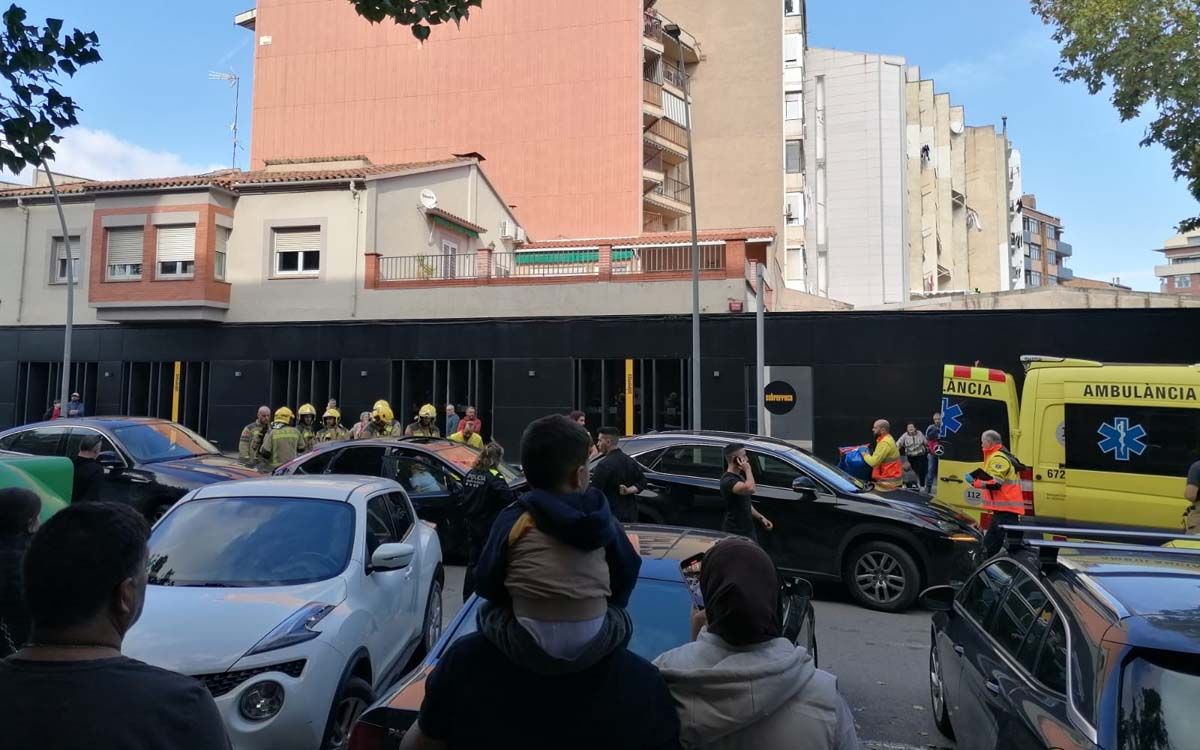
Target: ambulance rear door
974	399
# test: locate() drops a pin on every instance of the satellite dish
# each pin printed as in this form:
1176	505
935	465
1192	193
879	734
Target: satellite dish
428	198
956	128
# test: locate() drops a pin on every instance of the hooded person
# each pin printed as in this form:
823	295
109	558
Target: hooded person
740	684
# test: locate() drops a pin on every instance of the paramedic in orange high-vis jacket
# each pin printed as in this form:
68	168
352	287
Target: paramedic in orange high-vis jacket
886	469
1002	493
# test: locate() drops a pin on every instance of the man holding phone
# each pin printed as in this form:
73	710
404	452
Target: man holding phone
737	489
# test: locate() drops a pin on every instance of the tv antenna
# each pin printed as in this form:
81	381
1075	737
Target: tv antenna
236	82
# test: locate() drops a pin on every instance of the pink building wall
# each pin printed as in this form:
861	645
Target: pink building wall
548	91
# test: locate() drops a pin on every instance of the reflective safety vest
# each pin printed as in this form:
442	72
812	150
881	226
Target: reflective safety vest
281	445
885	461
419	430
331	434
1003	493
378	429
250	441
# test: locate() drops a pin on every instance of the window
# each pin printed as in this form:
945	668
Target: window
1052	664
1017	614
59	253
124	250
43	441
1031	226
76	437
419	477
1131	439
981	594
402	517
1035	251
366	461
794	156
706	462
1033	278
1183	282
791	7
297	251
792	104
1158	701
772	471
379	523
221	250
1031	647
176	251
317	464
795	264
976	415
793	50
1051	257
674	109
1185	259
794	209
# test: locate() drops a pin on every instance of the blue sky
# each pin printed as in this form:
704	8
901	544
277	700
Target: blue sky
149	108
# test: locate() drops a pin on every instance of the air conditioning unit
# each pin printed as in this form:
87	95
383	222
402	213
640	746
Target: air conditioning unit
507	229
520	234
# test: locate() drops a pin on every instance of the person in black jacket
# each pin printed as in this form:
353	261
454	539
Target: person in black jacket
89	473
618	476
485	494
19	509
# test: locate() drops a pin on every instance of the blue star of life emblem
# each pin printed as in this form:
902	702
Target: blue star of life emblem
1121	438
952	415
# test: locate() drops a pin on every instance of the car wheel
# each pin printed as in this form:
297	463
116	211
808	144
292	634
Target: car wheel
937	693
352	699
882	576
431	630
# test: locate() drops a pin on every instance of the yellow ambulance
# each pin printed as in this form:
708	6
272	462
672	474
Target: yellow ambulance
1105	445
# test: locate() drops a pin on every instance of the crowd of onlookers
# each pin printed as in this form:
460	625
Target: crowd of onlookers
549	664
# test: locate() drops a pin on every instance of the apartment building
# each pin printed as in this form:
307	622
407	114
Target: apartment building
1181	272
335	240
1045	251
855	121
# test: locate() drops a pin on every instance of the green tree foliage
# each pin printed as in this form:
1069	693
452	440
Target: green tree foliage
32	109
1149	52
418	15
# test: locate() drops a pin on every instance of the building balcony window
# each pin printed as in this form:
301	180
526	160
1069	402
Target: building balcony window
673	74
652	26
672	132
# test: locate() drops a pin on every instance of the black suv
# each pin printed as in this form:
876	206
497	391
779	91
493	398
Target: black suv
1072	645
884	546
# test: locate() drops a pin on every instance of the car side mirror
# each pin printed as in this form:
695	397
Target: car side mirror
110	460
216	443
938	598
392	556
803	485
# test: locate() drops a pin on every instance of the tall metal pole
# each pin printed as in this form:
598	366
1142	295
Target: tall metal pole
65	391
237	95
759	338
675	33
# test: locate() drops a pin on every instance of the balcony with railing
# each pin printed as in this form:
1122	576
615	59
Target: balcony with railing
428	267
673	74
670	197
652	29
670	137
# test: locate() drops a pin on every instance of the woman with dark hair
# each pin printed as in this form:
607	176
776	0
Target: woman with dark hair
740	683
19	509
485	494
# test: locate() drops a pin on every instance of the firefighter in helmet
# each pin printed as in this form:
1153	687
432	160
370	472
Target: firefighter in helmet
332	429
424	426
383	422
282	443
307	425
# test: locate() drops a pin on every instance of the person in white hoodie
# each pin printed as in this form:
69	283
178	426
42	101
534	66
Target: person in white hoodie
739	684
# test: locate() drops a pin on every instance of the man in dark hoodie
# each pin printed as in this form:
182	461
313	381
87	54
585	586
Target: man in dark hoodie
548	666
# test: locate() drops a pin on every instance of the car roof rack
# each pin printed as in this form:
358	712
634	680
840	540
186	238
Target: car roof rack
1085	539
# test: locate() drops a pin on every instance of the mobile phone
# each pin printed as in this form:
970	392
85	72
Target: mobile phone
690	569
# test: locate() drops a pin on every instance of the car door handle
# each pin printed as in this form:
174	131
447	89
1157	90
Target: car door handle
992	687
956	480
655	487
959	650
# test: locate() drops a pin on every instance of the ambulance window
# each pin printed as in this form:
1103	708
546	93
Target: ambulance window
964	420
1132	439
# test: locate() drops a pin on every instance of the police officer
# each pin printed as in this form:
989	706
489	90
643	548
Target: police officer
485	494
333	429
282	443
424	425
252	438
1000	481
383	422
307	425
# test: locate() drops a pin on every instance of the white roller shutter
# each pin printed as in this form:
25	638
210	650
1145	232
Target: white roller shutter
176	243
305	239
124	246
673	107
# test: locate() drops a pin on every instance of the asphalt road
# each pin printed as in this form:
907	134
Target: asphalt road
881	662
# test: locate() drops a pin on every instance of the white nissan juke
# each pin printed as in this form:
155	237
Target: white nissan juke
293	599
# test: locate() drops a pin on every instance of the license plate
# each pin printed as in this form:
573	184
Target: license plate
973	496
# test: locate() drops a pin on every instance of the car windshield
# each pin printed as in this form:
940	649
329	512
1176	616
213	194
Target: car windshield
828	472
162	441
661	612
251	541
1158	702
464	456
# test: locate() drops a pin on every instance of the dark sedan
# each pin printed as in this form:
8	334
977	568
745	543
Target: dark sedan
148	463
884	546
431	470
660	608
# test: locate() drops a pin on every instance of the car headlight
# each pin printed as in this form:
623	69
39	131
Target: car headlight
956	532
262	701
297	628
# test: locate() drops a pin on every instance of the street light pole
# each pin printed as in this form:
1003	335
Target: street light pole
672	30
65	389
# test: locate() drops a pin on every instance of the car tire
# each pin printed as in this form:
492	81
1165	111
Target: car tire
882	576
937	694
353	697
431	626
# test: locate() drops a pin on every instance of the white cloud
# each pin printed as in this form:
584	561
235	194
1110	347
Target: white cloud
100	155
